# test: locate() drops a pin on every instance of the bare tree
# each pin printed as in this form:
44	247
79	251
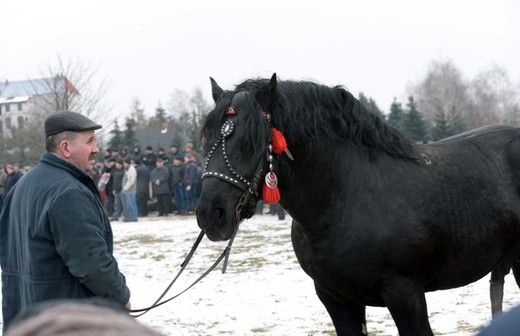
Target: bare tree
443	96
495	98
73	85
65	85
188	112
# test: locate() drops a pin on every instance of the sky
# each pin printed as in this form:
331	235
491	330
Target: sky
149	49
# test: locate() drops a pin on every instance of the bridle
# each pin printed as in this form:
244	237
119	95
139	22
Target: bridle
250	196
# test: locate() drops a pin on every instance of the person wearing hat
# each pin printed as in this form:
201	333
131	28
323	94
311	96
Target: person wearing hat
161	154
117	187
55	236
136	153
177	170
149	158
175	152
160	177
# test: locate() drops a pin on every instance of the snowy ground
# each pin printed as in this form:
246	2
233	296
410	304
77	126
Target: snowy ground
264	291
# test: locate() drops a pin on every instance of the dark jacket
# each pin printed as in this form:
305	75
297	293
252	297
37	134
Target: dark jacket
56	240
163	175
117	180
142	179
11	180
177	175
149	160
191	174
109	188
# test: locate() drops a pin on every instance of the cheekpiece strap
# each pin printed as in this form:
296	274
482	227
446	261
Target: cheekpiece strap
227	128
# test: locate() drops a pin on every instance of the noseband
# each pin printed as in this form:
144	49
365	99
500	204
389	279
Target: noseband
247	201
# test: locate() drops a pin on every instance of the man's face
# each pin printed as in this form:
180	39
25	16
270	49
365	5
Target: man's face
83	149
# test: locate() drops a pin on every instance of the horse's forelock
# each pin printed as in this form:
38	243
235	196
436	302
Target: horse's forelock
250	128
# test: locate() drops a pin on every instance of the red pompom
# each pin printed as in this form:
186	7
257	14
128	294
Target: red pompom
270	192
278	141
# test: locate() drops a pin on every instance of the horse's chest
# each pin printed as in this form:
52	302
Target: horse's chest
341	277
326	257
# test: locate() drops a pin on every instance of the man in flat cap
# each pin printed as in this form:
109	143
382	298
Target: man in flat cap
55	236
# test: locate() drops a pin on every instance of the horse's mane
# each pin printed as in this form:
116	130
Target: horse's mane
307	113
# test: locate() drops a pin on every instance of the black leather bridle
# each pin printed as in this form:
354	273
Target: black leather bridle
250	196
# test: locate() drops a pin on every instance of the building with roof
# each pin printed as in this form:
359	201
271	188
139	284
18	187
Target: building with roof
19	99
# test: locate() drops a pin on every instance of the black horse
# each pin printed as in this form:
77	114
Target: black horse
377	220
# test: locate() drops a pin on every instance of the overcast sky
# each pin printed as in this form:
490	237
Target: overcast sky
150	48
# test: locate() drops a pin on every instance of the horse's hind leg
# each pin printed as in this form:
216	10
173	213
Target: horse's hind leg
348	317
516	271
406	302
496	288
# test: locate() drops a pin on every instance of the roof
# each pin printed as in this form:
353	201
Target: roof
33	87
154	138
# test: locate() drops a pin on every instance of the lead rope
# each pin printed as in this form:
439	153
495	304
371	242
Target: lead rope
157	303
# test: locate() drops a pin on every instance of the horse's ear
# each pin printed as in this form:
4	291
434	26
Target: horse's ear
215	90
272	92
266	96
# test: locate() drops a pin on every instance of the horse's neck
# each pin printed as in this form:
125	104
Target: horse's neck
310	183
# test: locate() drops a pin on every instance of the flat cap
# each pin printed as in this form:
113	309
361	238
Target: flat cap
68	121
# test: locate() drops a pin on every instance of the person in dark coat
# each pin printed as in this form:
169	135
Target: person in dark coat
191	181
55	236
142	193
162	155
177	185
149	158
137	154
175	152
159	177
13	175
117	189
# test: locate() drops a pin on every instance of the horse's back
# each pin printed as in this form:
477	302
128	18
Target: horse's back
478	132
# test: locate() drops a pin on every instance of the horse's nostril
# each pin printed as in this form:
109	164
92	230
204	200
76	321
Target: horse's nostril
220	215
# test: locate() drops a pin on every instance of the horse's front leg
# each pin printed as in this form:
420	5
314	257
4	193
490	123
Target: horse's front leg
406	302
348	318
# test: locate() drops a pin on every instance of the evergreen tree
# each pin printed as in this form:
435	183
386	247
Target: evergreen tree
370	105
159	117
396	115
441	129
137	114
413	124
128	137
117	137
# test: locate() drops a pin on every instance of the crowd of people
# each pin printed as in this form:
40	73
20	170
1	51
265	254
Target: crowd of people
133	183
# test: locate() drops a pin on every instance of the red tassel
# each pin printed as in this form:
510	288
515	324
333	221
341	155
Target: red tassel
278	141
270	192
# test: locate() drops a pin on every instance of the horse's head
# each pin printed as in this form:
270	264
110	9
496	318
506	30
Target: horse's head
237	136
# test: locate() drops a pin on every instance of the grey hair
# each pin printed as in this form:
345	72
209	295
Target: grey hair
53	141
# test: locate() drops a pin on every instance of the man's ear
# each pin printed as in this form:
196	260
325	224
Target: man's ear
65	148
